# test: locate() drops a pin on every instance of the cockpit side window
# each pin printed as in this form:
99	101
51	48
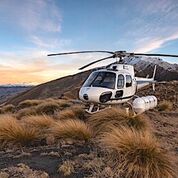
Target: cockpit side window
120	81
101	79
128	81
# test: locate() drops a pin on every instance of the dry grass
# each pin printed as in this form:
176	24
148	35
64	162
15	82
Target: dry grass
28	103
67	168
102	121
61	102
10	108
64	103
79	112
74	112
165	106
70	128
136	154
12	132
26	112
47	108
41	122
66	114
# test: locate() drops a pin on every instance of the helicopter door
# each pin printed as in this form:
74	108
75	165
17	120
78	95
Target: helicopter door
120	86
129	89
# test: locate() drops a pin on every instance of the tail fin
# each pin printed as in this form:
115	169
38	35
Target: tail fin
154	73
153	78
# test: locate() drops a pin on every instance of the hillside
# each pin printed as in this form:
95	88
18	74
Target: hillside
69	85
7	91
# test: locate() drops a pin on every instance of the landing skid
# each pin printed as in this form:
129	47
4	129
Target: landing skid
95	108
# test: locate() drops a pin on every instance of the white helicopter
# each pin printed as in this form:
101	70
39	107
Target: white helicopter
116	83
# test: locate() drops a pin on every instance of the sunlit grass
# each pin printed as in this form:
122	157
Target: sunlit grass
70	128
102	121
136	154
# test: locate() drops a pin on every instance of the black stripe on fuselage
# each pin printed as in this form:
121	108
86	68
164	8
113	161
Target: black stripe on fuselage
127	97
141	82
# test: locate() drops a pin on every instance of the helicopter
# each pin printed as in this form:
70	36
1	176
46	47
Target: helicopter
116	83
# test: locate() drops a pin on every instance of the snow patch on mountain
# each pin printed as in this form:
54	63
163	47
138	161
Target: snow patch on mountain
142	63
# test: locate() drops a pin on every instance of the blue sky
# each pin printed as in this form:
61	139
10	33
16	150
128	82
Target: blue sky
30	29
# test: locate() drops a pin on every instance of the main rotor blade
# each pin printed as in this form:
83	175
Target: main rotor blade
80	52
96	62
147	54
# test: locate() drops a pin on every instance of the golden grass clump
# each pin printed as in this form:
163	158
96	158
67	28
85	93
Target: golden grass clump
61	102
136	154
40	122
28	103
74	112
13	132
79	112
165	106
103	120
47	108
66	114
10	108
26	112
64	103
70	128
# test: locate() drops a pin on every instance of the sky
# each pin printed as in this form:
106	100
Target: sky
31	29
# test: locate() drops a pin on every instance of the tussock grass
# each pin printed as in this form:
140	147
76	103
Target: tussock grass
12	132
47	108
10	108
28	103
102	121
64	103
165	106
74	112
70	128
66	114
26	112
61	102
136	154
41	122
79	112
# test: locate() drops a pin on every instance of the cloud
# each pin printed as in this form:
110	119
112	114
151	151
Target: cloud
33	15
152	44
49	43
33	66
150	26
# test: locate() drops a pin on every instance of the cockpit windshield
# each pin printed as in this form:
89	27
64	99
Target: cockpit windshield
101	79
